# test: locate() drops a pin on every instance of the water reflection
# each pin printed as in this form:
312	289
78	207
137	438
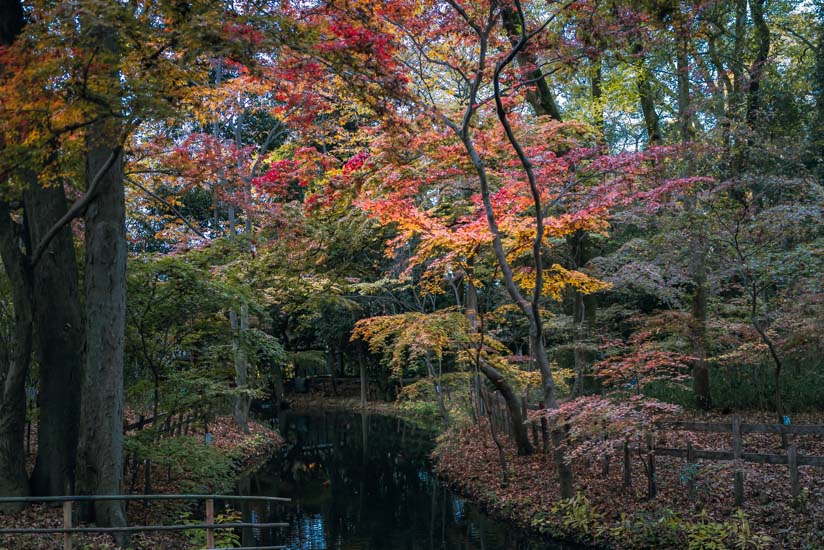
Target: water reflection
365	482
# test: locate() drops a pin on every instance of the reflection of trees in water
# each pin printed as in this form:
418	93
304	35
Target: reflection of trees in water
361	481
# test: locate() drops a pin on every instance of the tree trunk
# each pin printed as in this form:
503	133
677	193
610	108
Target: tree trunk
11	21
436	386
540	98
578	354
596	89
697	246
817	134
15	361
58	343
759	64
242	401
277	374
513	405
15	365
646	97
583	310
684	103
698	328
100	449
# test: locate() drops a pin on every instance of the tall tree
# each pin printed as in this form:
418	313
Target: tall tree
58	341
100	449
16	356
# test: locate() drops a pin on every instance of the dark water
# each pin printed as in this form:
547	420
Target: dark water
365	482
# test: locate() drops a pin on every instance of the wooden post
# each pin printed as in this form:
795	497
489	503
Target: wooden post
210	519
737	448
627	466
690	470
605	462
652	489
739	488
67	524
792	461
736	437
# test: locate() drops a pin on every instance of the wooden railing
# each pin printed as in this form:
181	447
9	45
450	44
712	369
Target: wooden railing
737	429
209	525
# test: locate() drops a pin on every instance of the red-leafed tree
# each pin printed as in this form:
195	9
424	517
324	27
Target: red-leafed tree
458	130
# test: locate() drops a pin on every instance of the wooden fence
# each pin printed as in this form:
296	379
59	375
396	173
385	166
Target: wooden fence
736	428
500	418
68	529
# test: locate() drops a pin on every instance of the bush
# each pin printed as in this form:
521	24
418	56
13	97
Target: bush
199	467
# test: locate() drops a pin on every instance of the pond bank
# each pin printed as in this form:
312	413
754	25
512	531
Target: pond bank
606	514
238	451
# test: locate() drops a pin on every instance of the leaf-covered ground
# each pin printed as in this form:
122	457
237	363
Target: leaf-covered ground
469	460
246	450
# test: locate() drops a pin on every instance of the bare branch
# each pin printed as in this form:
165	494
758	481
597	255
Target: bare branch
168	205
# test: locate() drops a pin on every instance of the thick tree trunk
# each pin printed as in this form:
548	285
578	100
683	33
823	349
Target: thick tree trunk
11	21
583	311
684	104
698	328
277	374
513	405
242	401
100	449
58	343
15	358
596	89
817	134
759	64
646	96
578	354
15	364
540	97
697	246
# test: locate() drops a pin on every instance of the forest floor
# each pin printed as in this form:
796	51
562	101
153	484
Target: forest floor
617	517
244	450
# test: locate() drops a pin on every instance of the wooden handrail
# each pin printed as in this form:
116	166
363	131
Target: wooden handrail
133	528
726	427
89	498
210	526
737	428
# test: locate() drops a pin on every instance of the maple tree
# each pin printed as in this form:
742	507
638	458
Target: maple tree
581	206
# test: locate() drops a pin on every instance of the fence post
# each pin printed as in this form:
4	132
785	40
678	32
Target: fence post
627	465
210	519
739	488
67	524
737	447
605	460
792	461
690	473
736	437
652	490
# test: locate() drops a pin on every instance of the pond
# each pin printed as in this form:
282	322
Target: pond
366	482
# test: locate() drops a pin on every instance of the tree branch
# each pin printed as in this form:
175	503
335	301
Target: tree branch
168	205
78	207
